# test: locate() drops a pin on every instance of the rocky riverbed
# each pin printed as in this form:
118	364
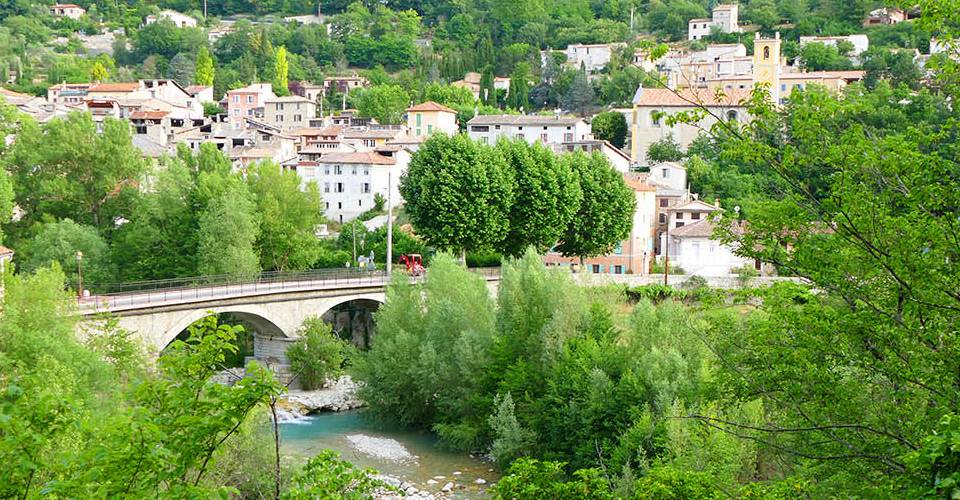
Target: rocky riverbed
337	395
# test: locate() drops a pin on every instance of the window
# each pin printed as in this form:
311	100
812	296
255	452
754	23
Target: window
619	249
679	215
483	140
665	174
298	118
680	224
617	269
340	206
236	112
366	187
366	170
236	99
337	170
359	203
279	106
695	216
354	172
429	129
663	202
766	53
249	99
655	118
568	137
326	170
543	138
597	268
419	119
326	187
339	187
732	115
783	87
663	218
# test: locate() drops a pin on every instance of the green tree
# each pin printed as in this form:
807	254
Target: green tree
605	215
98	73
519	95
227	235
762	12
666	149
65	168
318	354
59	242
579	95
670	17
816	56
205	70
182	69
288	217
546	197
280	70
488	93
610	126
458	193
327	476
385	103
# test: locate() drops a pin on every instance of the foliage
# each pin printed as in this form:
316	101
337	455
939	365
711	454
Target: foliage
281	68
666	149
227	233
579	94
288	217
610	126
510	441
546	197
327	476
519	93
458	193
604	217
317	355
59	242
385	103
817	56
536	480
204	68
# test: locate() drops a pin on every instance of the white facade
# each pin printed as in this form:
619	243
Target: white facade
725	18
348	182
70	10
289	112
179	20
860	42
593	57
668	175
704	256
489	129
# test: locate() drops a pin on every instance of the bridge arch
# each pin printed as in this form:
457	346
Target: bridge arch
255	316
351	319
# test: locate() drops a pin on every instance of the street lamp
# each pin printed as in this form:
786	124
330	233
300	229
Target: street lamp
389	221
79	276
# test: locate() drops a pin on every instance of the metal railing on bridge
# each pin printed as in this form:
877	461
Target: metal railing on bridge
144	293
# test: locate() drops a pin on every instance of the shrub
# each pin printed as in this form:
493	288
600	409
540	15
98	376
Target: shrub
657	268
695	282
327	476
317	354
745	274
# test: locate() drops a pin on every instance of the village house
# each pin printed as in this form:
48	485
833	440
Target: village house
633	255
289	112
344	84
349	181
426	118
697	252
370	137
860	42
70	10
617	158
725	19
681	215
201	93
554	129
652	108
471	82
885	16
247	102
592	57
179	20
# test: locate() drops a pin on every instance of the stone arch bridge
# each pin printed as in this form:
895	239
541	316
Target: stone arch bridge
274	304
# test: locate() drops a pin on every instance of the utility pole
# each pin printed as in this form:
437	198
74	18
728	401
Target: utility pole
389	221
631	18
204	10
79	277
666	254
354	226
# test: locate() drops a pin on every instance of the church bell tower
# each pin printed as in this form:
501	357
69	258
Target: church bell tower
766	64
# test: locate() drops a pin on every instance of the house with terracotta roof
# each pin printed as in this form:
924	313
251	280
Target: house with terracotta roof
633	255
70	10
349	181
652	109
289	112
697	251
429	117
178	19
247	102
545	129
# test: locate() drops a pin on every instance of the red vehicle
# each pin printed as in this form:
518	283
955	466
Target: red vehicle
414	264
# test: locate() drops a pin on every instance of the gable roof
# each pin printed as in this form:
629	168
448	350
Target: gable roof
368	158
701	229
637	185
695	206
115	87
431	106
523	120
690	97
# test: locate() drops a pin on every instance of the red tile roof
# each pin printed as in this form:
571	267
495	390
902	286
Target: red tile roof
115	87
369	158
636	185
691	97
430	106
148	115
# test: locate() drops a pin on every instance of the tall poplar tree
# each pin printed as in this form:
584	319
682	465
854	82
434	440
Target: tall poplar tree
281	69
204	69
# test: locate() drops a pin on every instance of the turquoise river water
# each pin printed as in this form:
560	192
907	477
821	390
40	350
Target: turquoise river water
339	431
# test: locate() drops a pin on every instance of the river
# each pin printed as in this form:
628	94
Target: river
414	456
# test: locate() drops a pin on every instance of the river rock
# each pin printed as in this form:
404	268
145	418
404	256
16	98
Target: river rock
383	448
337	395
481	480
439	478
447	488
457	473
431	481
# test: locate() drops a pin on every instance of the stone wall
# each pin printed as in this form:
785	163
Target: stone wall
273	349
675	280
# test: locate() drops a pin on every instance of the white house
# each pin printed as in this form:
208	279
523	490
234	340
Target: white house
592	57
289	112
697	252
725	18
618	159
349	182
70	10
669	175
179	20
531	128
860	42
